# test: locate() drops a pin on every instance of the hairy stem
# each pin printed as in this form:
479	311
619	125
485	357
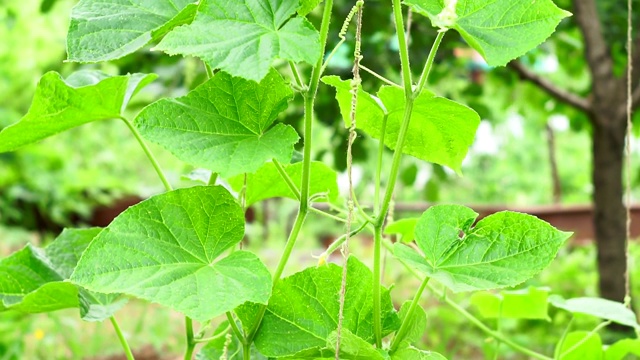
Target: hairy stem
123	341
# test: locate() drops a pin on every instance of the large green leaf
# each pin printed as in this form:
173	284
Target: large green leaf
529	303
500	30
623	348
33	280
440	130
602	308
303	311
102	30
503	249
60	104
224	125
244	37
167	249
268	183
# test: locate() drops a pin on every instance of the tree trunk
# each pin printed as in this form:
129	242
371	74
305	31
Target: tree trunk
609	210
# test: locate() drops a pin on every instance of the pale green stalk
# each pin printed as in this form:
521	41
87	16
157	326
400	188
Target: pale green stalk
123	341
402	332
188	323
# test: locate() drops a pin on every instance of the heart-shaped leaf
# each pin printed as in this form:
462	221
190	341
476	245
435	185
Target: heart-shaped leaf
303	311
503	249
60	104
224	125
440	130
244	37
110	29
167	249
500	30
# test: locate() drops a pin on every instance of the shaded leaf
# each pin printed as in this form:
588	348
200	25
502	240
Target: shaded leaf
303	311
60	104
167	249
602	308
244	37
500	30
267	183
102	30
224	125
503	249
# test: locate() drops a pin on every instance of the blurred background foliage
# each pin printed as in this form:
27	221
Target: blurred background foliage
61	181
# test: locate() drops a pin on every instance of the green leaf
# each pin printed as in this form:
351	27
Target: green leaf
33	280
224	125
267	183
227	347
602	308
440	130
167	250
307	6
417	323
588	346
60	105
403	227
110	29
620	349
413	353
503	249
303	310
244	38
529	303
500	30
353	347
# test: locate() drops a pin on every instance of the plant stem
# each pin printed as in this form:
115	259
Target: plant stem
287	179
377	273
123	341
339	241
149	154
188	323
379	77
208	70
427	66
296	74
474	320
376	195
234	327
326	214
223	333
402	332
404	50
584	339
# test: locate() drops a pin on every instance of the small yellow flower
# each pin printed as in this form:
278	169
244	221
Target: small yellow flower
39	334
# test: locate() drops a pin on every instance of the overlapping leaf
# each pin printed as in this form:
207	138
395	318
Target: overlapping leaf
500	30
244	37
303	311
503	249
167	250
102	30
224	125
440	130
33	280
268	183
60	104
403	227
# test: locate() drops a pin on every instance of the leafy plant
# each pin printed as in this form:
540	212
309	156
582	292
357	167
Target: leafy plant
179	248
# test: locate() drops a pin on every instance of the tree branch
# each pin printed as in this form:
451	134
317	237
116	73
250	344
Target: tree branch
597	51
562	95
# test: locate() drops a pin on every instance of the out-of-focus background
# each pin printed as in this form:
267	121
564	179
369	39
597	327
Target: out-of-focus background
533	153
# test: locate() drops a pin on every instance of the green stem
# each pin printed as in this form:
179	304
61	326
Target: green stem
287	179
376	195
404	328
377	278
326	214
149	154
404	50
296	74
222	334
339	241
234	327
556	355
474	320
123	341
208	70
379	77
212	179
427	66
188	323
